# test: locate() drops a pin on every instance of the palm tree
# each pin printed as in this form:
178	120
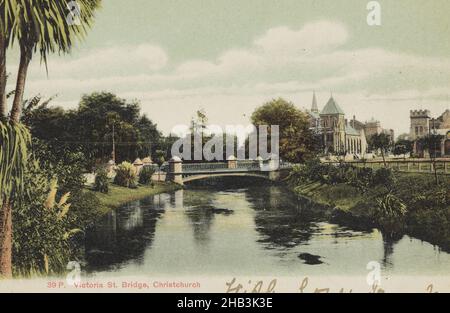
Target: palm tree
3	44
41	25
35	26
14	141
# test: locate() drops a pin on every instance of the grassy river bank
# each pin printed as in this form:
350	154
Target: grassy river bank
119	196
397	203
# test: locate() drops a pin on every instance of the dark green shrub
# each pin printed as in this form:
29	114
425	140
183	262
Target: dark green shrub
145	177
389	214
68	168
42	230
126	175
101	181
384	177
364	179
334	175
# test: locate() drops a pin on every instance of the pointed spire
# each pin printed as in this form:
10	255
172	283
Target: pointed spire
314	107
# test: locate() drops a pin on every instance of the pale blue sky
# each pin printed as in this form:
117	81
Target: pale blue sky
228	57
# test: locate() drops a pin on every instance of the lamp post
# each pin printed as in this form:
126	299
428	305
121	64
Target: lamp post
114	144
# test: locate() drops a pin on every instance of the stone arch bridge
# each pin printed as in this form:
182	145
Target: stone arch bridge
181	173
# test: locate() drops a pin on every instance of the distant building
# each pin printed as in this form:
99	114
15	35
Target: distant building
337	134
373	127
422	124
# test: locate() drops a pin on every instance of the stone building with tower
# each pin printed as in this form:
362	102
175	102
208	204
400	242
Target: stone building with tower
422	124
339	136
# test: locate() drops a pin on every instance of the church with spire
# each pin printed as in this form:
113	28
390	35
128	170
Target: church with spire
339	136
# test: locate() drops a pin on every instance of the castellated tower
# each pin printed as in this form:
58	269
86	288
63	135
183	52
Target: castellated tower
420	123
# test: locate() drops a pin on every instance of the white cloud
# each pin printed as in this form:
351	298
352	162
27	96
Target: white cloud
312	38
281	62
110	61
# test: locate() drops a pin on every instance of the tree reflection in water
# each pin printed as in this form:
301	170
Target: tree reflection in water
280	223
281	231
388	248
124	234
200	210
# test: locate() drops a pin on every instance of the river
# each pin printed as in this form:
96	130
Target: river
258	230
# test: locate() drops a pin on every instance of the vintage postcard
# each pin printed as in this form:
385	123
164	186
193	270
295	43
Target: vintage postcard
226	146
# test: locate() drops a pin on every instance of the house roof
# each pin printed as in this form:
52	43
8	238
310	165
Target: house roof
314	115
332	108
357	125
351	131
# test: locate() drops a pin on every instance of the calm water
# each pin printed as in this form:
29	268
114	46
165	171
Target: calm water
260	230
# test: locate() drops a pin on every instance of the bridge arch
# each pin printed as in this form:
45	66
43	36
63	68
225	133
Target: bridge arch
180	174
195	177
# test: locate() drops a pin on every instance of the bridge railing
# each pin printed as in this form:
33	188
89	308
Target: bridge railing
204	167
238	166
248	164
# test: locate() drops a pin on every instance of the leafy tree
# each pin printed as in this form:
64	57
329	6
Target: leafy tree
165	148
91	127
160	159
96	116
432	143
297	142
403	146
150	137
381	142
68	168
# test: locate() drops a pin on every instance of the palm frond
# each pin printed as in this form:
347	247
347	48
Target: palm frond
14	141
41	25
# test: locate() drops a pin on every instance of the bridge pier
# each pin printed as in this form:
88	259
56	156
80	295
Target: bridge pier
232	162
274	175
175	173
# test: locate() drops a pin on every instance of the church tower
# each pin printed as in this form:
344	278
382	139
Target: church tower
333	122
314	107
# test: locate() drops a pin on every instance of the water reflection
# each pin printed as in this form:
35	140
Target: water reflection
280	224
124	234
389	243
201	220
261	230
